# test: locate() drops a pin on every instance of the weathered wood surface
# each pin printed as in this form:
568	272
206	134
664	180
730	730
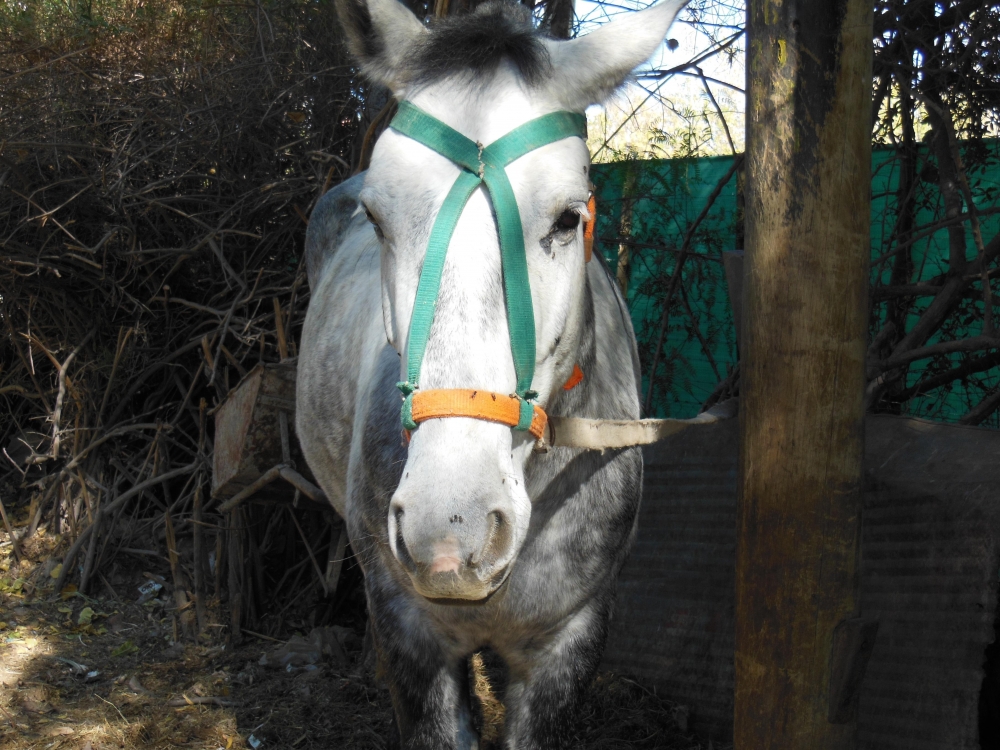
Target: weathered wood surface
255	443
802	368
248	434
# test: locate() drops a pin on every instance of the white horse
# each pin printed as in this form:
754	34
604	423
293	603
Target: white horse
468	537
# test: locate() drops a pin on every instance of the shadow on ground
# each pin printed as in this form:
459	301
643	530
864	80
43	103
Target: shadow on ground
111	671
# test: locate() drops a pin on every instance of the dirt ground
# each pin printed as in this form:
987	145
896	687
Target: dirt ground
112	671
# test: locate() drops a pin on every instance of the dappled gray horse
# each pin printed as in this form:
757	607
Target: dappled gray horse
453	307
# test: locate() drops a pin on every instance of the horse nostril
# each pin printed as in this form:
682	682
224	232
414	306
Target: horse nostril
497	543
402	553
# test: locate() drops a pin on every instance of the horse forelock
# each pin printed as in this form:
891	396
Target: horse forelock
473	45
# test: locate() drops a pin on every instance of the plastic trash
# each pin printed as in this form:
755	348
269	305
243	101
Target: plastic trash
149	590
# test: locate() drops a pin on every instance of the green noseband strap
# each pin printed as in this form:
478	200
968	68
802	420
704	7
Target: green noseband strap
480	165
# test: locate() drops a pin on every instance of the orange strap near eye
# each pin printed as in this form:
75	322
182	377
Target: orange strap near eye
588	228
463	402
574	379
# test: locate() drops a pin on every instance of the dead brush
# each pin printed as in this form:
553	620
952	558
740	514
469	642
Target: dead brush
158	162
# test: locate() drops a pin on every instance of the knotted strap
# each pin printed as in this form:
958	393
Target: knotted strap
480	165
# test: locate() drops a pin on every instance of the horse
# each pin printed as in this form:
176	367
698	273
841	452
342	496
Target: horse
452	265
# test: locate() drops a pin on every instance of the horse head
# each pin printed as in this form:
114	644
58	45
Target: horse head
462	509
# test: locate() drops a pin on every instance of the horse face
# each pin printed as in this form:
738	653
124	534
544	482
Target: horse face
461	511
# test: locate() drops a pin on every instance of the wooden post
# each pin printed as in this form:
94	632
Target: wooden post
805	317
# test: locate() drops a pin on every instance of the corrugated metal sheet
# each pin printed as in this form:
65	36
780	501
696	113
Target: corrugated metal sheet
930	565
929	573
674	623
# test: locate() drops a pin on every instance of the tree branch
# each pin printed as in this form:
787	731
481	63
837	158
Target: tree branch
943	304
675	277
985	407
976	343
972	366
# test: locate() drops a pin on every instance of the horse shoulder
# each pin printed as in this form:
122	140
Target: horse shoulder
334	215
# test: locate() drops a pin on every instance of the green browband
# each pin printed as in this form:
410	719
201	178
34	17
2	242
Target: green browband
480	165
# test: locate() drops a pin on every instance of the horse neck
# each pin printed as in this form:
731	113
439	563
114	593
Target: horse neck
607	355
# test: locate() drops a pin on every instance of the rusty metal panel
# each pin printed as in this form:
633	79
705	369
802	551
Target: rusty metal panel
930	563
247	428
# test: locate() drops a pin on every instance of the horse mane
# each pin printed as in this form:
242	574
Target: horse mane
474	44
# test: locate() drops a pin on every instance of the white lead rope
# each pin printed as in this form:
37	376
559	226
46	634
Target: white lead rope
604	434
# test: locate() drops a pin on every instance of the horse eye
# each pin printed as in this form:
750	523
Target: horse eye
374	222
567	220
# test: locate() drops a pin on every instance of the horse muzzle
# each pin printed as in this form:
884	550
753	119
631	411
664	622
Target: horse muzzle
449	552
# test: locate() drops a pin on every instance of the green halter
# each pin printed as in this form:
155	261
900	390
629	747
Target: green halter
480	165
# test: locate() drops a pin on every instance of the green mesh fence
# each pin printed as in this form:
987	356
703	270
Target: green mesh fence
930	259
645	209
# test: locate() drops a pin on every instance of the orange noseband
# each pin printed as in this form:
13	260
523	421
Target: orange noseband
464	402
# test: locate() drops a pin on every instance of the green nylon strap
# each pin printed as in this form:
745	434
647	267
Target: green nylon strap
480	164
430	282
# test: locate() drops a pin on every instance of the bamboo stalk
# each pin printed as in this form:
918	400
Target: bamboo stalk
88	564
197	540
10	532
63	370
235	533
179	579
279	327
312	557
106	510
122	342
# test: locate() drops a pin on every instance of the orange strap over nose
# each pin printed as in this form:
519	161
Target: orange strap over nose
465	402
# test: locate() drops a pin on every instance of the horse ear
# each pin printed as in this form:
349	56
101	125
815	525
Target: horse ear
587	70
381	35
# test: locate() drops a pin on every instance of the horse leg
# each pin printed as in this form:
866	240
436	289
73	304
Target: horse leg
429	686
546	689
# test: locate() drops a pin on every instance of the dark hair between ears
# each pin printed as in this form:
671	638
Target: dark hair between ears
477	42
472	44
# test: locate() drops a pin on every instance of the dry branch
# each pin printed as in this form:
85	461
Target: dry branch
675	277
939	70
117	503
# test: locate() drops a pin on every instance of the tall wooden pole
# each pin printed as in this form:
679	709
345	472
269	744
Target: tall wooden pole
802	372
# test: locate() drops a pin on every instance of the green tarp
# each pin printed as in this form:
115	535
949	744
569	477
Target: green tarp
652	204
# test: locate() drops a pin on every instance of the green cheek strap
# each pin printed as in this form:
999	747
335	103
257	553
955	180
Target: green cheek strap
480	165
